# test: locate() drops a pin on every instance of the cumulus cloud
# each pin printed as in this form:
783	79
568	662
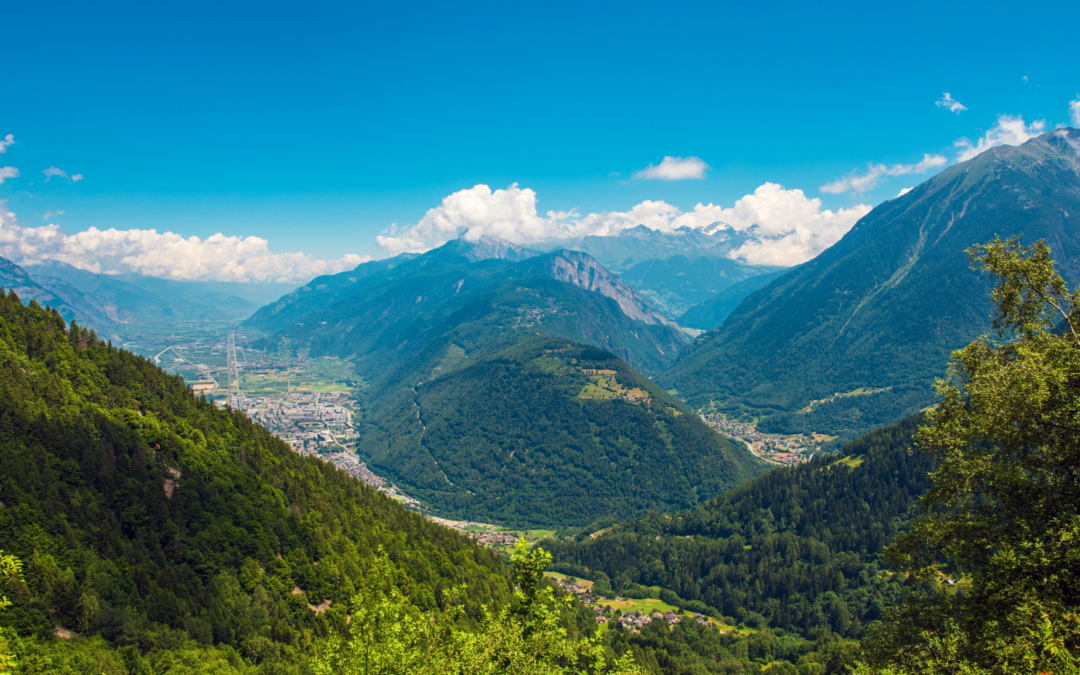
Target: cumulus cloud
167	255
950	104
861	182
1009	130
784	227
1074	112
674	168
7	171
53	171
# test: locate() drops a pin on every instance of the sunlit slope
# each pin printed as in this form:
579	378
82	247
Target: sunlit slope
886	305
139	508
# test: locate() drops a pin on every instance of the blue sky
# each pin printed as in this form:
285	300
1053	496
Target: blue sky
315	128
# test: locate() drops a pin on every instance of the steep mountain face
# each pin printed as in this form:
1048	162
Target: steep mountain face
319	293
494	248
139	510
712	312
394	311
885	306
583	271
324	291
677	283
621	251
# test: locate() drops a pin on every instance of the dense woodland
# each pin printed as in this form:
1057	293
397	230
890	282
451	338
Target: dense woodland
149	518
797	549
509	436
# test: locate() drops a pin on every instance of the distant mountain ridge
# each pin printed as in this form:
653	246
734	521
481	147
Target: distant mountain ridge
114	304
629	247
513	262
885	306
682	281
86	308
711	313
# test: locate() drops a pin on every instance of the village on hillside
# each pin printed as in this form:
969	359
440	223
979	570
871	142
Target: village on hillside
610	611
775	448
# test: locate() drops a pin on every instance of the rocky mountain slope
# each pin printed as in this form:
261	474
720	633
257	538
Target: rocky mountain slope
884	307
508	389
388	308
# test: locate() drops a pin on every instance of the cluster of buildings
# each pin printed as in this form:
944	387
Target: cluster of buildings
308	422
778	448
483	533
633	621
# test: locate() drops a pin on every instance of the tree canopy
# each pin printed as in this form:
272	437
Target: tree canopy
993	559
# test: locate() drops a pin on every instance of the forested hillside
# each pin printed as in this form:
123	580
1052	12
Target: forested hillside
543	431
797	548
150	518
885	306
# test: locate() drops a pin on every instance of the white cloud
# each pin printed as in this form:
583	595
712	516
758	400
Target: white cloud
903	192
875	172
6	143
50	214
168	255
785	227
53	171
1009	130
674	168
950	103
1074	111
8	172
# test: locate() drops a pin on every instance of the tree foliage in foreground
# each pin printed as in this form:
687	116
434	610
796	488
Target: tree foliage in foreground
1001	520
387	635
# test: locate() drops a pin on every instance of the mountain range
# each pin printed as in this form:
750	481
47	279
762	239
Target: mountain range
114	304
675	270
502	386
883	308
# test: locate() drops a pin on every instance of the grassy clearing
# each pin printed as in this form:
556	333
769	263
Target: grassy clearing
644	605
850	461
585	583
454	355
604	385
